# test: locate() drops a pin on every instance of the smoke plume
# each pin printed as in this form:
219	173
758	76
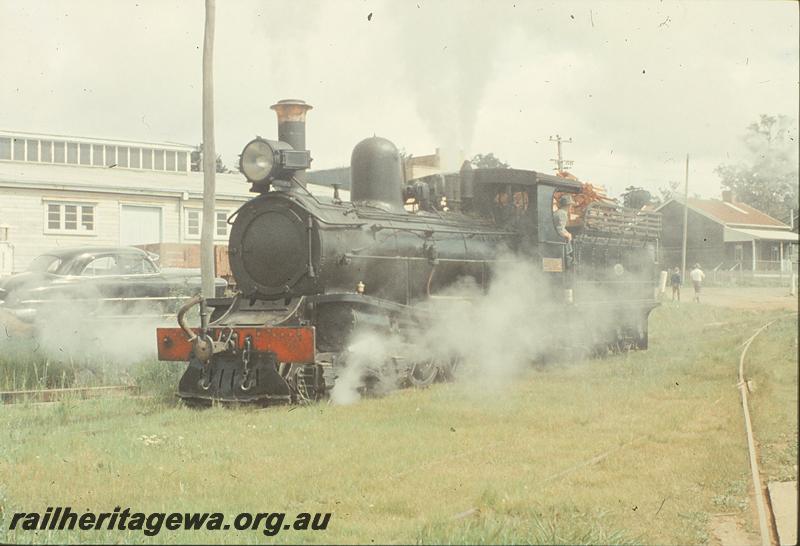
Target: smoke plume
448	60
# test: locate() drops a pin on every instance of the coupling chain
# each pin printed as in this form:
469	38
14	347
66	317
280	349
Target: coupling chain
246	384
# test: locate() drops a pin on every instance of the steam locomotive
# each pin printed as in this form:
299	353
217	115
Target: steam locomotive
311	272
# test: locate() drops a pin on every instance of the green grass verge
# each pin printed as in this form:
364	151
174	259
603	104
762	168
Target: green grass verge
636	448
771	365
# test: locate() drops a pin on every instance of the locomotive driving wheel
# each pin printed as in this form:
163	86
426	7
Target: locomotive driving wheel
423	373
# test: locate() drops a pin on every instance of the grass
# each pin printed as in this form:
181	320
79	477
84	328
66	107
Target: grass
57	353
636	448
771	364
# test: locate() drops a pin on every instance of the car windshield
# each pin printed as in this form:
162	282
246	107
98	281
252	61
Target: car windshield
45	264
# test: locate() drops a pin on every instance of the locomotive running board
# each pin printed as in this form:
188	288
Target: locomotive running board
288	344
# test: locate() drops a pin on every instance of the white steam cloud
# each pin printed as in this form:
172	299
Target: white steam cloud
97	348
493	335
448	60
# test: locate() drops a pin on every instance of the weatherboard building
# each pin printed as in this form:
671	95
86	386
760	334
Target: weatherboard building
727	235
62	191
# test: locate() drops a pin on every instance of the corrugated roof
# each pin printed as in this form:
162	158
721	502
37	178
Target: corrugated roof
745	234
129	181
95	140
731	213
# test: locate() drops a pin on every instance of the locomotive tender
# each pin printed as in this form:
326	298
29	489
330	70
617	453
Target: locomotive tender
311	272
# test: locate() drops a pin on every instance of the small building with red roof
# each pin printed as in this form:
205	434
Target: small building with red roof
726	235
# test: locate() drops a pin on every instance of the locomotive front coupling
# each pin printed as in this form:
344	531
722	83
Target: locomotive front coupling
237	364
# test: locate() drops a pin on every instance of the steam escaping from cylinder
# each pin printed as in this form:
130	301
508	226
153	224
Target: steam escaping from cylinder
366	352
494	335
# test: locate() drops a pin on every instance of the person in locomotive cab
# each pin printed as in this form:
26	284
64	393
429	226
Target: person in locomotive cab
560	218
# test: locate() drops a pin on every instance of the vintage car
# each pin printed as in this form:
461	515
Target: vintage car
98	282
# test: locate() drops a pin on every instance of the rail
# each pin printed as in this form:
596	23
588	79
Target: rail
54	395
761	506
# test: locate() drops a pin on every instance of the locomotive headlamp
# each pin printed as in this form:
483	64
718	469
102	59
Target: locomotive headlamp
257	161
264	160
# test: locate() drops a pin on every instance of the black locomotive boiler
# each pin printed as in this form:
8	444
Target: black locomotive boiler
311	272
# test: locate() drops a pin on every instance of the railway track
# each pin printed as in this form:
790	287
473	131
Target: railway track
766	520
39	396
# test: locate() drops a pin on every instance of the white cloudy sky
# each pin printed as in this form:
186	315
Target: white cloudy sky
636	85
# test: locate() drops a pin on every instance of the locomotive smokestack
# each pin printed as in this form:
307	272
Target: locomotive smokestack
292	125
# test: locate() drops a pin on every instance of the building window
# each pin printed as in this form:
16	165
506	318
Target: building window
5	148
47	151
136	158
122	156
72	153
69	218
738	253
33	150
87	218
182	161
193	222
147	158
111	156
222	224
19	149
97	155
158	162
85	154
53	216
170	161
59	152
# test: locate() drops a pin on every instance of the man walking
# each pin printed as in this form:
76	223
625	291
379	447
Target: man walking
675	281
697	277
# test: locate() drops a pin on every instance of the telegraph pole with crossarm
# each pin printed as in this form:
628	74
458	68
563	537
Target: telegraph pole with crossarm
561	163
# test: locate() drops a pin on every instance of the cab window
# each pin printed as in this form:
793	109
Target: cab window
547	226
547	208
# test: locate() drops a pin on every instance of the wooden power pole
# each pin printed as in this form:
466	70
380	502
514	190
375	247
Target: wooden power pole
207	261
560	162
685	220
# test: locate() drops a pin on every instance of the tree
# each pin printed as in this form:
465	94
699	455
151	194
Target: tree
196	160
635	197
665	193
767	179
488	161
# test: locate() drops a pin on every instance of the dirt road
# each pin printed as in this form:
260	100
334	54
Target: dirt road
756	298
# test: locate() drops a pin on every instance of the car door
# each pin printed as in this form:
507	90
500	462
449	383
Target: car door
102	279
